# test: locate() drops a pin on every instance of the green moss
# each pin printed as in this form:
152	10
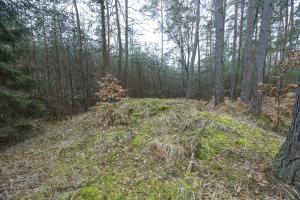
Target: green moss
203	115
143	135
225	120
61	169
211	143
264	121
113	164
181	188
111	157
241	141
139	109
237	137
89	193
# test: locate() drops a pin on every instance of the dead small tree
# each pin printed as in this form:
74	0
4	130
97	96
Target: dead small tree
280	89
109	94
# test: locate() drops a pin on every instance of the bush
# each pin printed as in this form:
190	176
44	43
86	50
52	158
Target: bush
110	93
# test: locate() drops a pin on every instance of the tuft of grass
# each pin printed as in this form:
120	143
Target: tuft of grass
264	121
88	193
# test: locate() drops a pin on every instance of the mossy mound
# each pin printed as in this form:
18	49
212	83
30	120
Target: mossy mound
157	149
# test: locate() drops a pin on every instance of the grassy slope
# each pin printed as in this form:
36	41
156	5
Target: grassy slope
158	149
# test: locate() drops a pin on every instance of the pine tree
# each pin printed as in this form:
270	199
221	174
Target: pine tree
16	103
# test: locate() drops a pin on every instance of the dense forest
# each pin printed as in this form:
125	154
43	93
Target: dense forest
60	58
70	45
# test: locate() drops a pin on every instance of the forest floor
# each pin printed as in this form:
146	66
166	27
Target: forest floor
156	149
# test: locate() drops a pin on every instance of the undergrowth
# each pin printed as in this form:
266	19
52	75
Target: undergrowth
158	149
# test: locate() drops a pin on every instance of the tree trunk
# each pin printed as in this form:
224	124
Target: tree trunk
126	44
194	52
287	162
247	68
81	63
219	52
234	61
108	34
199	70
239	75
256	103
103	38
119	40
162	44
291	46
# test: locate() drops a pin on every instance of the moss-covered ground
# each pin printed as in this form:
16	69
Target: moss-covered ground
156	149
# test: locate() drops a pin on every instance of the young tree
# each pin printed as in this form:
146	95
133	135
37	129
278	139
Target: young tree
256	103
16	102
219	52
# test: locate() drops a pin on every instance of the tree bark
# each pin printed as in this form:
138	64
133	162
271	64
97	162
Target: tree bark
194	52
234	61
103	39
219	52
286	31
108	34
287	162
81	63
239	75
119	40
199	70
291	46
247	68
162	43
126	44
256	103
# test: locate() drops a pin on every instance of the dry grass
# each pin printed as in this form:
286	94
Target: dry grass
158	149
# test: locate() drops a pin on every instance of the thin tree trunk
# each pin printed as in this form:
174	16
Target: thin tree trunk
119	40
126	44
212	68
286	31
239	65
103	39
256	103
108	33
247	68
162	42
219	52
234	61
291	46
199	69
81	63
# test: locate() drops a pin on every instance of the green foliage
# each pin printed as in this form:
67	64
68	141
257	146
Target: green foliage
16	103
89	193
